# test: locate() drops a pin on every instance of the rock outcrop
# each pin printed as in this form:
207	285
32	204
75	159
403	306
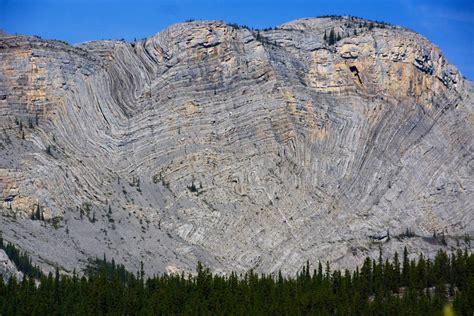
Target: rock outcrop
239	148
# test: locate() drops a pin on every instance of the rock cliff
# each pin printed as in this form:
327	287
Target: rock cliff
239	148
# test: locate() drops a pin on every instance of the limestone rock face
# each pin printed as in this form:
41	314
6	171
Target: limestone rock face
239	148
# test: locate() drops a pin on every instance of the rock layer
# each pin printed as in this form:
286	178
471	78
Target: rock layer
240	148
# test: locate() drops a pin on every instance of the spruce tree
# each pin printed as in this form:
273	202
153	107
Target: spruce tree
405	268
332	37
38	212
396	273
109	289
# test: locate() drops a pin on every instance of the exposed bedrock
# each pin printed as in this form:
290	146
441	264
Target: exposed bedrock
239	148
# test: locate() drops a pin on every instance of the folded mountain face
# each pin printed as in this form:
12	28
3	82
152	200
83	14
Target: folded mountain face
239	148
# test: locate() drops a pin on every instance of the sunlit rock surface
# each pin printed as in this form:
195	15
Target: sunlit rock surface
239	148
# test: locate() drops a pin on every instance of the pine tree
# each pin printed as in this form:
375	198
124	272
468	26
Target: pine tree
108	288
396	273
319	278
38	212
327	276
366	277
332	37
406	268
443	239
421	277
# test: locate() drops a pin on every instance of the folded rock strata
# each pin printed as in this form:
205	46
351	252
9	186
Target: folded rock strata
239	148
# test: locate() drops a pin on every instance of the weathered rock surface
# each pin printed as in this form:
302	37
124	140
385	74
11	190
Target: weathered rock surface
242	149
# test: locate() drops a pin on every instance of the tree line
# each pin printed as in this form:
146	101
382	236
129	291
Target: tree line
20	259
379	287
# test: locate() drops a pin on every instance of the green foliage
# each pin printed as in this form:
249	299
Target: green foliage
407	234
20	259
37	213
238	26
378	289
109	270
332	37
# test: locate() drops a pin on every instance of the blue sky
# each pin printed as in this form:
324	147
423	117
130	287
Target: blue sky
449	24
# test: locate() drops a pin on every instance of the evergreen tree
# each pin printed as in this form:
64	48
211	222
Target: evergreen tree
107	288
332	37
396	273
38	212
406	268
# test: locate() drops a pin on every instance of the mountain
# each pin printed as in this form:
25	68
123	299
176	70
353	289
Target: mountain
321	139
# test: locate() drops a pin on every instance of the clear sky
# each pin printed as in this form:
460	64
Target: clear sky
448	23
